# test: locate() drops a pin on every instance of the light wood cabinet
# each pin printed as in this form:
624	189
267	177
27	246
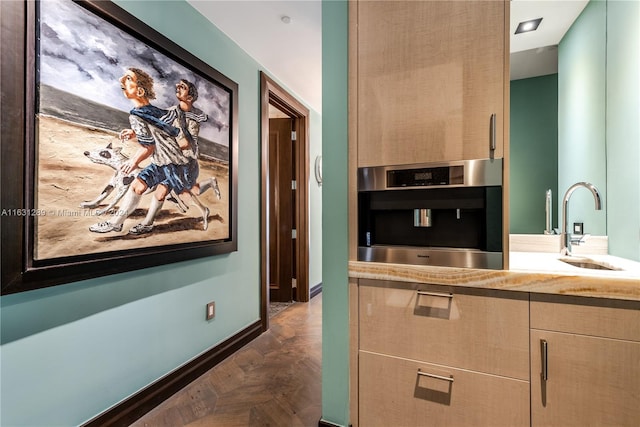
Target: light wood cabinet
429	76
427	354
590	381
403	392
440	355
477	329
586	316
585	362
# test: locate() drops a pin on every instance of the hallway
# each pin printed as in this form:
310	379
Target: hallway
273	381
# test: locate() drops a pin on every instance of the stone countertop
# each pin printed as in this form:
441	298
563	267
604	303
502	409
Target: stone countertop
530	272
540	262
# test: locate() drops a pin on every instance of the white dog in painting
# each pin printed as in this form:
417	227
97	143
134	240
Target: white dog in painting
120	182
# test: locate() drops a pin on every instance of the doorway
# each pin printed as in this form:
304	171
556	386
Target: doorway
284	200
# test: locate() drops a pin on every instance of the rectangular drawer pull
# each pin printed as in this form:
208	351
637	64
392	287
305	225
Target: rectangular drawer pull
438	377
435	294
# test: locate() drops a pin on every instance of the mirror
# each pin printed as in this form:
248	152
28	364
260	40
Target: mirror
566	121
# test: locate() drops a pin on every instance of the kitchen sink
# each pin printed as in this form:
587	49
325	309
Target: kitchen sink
589	263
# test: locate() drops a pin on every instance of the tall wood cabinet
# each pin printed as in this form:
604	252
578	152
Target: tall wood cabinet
431	80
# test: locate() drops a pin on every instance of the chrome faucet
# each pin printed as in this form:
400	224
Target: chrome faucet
565	238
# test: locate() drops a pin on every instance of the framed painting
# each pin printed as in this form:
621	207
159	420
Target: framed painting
122	153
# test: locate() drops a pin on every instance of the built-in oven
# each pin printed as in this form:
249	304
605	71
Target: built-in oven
442	214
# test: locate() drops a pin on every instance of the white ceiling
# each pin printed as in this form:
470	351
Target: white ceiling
536	53
292	53
557	17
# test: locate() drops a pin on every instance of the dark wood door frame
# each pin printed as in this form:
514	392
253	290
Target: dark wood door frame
274	94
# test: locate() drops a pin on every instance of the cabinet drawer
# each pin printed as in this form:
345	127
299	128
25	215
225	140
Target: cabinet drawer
478	329
586	316
402	392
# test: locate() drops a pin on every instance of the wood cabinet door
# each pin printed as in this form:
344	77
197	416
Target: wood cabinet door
430	75
590	381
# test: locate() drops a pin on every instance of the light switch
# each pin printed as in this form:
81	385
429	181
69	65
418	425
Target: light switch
211	310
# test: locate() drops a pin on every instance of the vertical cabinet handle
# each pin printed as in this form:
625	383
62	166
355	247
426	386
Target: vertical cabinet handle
545	359
492	130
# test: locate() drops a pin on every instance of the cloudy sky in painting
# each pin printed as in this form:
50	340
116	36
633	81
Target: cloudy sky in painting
82	54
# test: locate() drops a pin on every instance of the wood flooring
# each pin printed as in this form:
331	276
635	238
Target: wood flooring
275	380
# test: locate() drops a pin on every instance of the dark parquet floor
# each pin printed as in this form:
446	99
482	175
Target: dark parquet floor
275	380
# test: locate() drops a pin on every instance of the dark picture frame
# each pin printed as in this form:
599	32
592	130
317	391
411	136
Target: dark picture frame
62	105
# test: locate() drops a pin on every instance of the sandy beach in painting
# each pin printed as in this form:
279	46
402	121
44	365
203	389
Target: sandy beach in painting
65	178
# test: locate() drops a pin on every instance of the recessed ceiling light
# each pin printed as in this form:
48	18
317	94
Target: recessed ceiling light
527	26
286	19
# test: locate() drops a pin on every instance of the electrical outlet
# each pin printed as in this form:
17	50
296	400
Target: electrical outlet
578	228
211	310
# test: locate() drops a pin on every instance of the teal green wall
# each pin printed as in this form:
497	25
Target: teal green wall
335	299
533	152
581	116
599	130
72	351
623	128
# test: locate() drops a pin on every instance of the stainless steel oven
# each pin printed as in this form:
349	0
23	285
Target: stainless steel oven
443	214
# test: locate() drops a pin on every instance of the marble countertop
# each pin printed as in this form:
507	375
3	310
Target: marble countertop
540	262
529	272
